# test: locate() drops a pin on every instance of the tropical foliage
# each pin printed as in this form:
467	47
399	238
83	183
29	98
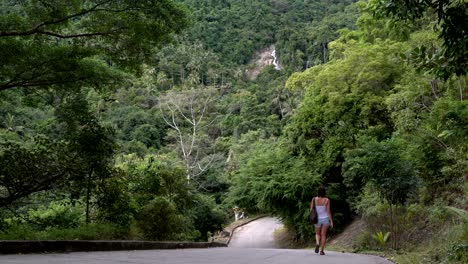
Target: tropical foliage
148	124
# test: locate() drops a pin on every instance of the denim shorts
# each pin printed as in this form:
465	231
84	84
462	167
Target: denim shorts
323	222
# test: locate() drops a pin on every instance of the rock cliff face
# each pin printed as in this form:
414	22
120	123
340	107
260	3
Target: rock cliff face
262	59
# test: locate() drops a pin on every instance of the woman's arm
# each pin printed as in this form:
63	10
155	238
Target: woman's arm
329	214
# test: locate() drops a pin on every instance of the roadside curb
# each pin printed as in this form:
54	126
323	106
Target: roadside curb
41	246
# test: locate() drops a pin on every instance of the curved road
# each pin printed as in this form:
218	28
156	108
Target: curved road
256	234
238	252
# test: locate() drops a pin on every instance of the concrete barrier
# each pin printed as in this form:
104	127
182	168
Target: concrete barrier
36	246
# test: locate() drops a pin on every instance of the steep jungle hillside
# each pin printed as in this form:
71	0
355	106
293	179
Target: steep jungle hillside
143	120
118	120
237	29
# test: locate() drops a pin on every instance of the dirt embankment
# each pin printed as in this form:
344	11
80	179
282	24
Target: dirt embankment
347	239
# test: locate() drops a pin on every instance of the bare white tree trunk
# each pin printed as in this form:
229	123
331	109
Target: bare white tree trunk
186	113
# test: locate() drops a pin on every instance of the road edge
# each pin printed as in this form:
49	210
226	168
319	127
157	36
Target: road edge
45	246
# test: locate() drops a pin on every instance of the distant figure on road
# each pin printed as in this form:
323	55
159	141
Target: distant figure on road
322	204
239	213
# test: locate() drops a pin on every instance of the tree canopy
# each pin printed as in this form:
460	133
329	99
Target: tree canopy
451	19
143	117
80	43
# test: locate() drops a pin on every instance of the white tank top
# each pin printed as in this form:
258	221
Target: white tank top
322	210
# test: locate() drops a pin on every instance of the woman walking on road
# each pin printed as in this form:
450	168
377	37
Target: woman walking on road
322	205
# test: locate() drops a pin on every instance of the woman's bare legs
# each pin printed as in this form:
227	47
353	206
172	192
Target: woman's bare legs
317	238
323	236
317	235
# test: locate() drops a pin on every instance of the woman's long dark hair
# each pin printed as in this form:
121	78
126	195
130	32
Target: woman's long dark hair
321	192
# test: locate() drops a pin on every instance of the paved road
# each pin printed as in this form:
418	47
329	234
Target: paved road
256	234
243	249
195	256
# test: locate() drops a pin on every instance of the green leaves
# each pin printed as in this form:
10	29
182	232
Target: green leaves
380	163
272	180
344	99
452	16
30	167
159	220
381	238
53	40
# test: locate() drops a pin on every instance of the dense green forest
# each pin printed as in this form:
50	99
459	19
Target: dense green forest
139	119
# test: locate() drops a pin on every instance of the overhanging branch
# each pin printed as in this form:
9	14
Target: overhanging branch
37	28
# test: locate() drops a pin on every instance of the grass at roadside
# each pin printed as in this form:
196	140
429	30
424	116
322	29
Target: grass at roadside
449	244
96	231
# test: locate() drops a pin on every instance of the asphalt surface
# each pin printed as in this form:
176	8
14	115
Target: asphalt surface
195	256
250	244
256	234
